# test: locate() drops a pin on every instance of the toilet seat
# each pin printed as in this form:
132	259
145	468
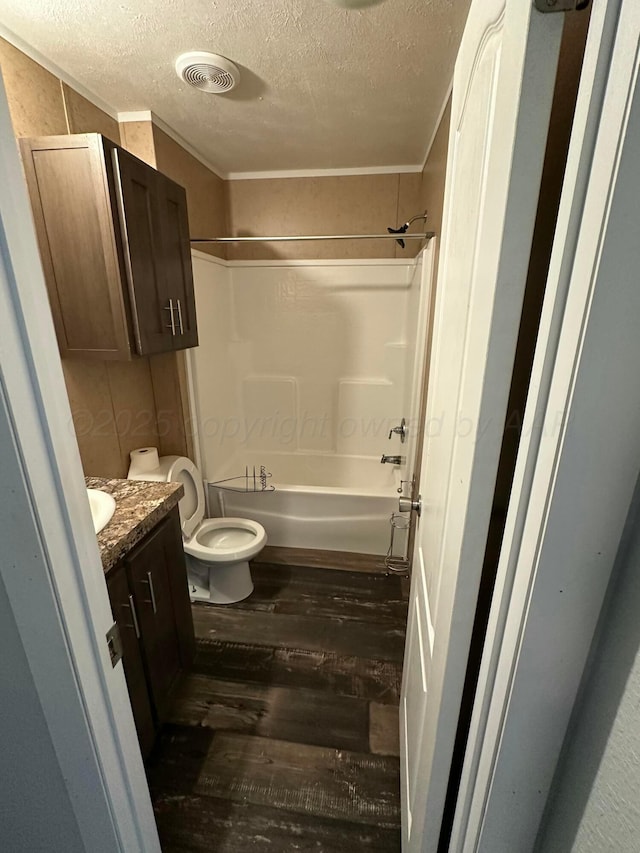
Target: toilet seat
217	550
226	540
179	469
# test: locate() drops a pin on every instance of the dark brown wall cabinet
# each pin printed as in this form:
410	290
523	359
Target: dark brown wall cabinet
150	604
114	241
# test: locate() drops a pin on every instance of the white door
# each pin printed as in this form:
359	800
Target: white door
502	94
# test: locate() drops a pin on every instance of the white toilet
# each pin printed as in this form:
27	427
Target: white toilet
218	550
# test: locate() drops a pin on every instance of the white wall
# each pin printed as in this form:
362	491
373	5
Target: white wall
595	803
35	809
300	358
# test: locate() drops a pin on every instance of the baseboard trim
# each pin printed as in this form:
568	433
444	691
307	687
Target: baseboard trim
345	561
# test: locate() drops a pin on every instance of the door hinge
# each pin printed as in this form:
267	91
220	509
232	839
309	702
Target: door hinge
114	644
560	5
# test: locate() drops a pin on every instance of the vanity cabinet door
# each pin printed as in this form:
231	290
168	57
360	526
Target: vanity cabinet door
124	615
149	567
180	590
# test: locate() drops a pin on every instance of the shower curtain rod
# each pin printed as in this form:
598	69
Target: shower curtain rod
424	236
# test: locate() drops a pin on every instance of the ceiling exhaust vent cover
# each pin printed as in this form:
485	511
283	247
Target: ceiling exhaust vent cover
207	72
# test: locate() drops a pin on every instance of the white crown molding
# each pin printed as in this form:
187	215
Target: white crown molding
437	124
135	115
322	173
58	72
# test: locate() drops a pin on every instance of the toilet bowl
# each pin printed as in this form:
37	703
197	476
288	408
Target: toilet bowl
217	550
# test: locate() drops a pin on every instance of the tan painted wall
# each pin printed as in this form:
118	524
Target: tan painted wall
85	117
353	204
35	97
431	191
113	404
337	205
137	137
206	197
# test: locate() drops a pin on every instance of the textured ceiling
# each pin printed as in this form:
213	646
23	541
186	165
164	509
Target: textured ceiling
321	88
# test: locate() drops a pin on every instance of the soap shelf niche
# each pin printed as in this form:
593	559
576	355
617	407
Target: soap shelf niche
252	481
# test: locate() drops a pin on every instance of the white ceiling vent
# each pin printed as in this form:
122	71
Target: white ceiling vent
207	72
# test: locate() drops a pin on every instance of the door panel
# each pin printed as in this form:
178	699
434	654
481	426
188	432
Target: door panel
151	587
502	94
118	588
413	705
177	261
137	188
177	568
71	208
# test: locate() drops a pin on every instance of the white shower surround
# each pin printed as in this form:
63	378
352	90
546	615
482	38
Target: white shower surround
304	366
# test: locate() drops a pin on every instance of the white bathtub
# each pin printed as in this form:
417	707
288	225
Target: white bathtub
319	511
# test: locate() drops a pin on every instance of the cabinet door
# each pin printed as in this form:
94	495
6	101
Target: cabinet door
124	614
176	247
78	244
149	577
137	189
180	590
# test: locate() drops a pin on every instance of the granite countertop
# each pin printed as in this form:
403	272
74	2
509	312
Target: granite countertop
140	505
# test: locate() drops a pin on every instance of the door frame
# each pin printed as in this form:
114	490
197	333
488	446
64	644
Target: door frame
51	567
518	729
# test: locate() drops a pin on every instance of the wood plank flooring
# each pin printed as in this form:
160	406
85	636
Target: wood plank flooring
285	735
322	559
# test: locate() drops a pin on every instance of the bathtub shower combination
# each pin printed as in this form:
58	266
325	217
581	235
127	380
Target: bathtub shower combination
304	369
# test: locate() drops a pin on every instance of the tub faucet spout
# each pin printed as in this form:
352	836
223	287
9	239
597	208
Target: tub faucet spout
392	460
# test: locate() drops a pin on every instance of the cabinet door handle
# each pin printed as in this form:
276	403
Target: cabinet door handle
153	595
172	324
134	616
180	317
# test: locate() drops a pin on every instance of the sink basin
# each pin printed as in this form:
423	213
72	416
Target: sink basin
102	508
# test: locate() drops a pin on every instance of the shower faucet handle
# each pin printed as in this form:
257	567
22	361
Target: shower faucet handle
400	430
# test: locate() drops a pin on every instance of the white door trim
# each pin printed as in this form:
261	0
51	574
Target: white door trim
51	567
547	597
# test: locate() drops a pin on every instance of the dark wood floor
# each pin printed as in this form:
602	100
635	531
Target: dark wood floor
285	735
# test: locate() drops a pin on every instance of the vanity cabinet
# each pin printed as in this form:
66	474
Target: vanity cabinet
150	603
114	241
124	614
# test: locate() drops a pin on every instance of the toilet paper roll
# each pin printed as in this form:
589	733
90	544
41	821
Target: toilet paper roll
143	460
